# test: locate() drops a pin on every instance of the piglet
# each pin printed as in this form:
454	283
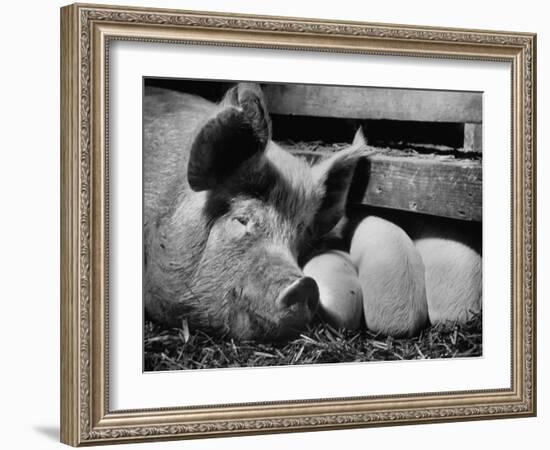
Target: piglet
340	295
453	277
391	274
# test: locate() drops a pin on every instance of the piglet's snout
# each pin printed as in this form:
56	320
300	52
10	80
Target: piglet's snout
303	292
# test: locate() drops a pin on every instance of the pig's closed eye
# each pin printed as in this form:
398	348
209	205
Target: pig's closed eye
244	224
242	220
238	227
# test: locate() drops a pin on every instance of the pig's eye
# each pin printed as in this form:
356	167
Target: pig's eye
242	220
239	226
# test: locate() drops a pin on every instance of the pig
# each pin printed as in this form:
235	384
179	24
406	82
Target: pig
391	274
228	214
341	297
453	274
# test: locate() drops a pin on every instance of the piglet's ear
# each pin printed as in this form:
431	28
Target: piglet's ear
334	175
239	130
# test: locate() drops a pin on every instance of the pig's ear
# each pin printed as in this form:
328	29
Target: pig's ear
250	99
238	131
334	176
359	140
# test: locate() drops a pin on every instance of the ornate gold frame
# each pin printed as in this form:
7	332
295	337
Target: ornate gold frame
86	31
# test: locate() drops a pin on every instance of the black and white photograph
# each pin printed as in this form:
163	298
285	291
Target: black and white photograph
294	224
282	222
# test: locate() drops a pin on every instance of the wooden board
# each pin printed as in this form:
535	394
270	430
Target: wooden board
442	187
374	103
473	139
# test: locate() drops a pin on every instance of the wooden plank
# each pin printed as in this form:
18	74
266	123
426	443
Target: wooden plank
441	187
430	186
374	103
472	138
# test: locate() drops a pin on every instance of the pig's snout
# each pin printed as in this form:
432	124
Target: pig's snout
302	293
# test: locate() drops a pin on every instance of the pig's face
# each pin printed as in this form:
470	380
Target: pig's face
263	210
250	273
263	219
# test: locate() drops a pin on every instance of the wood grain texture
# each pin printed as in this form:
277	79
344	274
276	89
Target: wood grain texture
473	138
374	103
431	186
